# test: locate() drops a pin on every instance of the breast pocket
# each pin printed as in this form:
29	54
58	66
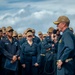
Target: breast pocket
7	45
15	46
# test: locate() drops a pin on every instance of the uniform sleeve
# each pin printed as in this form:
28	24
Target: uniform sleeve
56	47
0	48
38	40
47	44
18	49
22	41
22	60
5	52
68	47
39	52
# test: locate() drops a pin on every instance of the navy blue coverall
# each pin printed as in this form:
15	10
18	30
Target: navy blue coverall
29	56
9	50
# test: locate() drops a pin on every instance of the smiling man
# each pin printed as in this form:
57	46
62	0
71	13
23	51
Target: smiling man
66	47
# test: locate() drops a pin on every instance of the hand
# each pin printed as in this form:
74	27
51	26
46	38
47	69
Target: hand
48	49
36	64
12	61
59	64
14	58
23	65
52	45
18	58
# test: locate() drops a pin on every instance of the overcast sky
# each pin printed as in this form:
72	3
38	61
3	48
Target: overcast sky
37	14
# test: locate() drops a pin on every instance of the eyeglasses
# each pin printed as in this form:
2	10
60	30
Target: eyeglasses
40	34
15	36
49	32
19	36
10	31
4	33
30	36
0	30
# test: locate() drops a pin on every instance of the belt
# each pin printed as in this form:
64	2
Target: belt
67	60
42	54
51	52
47	52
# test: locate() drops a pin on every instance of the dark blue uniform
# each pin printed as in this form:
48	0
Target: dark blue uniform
66	53
21	41
36	40
1	55
41	57
9	50
47	56
29	56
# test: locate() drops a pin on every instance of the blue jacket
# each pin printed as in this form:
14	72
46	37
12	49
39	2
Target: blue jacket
1	55
29	53
21	41
48	42
9	50
36	40
66	46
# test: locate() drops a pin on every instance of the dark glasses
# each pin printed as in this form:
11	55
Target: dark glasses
30	36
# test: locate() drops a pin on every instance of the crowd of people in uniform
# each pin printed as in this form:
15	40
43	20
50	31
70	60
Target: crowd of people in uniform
52	53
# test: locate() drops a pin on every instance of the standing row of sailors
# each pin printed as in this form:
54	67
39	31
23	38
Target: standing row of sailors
48	54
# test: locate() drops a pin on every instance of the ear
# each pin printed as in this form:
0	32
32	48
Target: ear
64	24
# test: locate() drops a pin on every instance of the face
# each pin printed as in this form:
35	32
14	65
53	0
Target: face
9	33
19	37
34	33
49	33
15	37
60	26
40	35
0	34
24	35
30	37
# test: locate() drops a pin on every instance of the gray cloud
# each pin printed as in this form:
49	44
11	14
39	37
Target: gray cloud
39	15
13	1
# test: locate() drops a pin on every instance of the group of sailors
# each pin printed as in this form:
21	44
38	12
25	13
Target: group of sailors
46	54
